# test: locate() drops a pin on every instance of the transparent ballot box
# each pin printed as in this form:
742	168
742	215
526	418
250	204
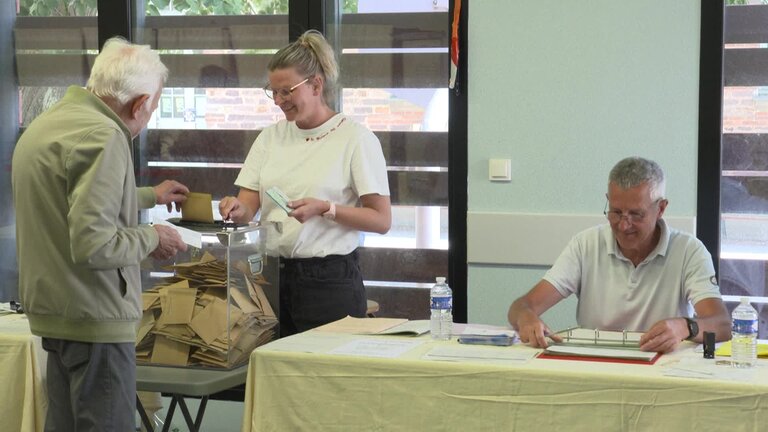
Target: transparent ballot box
211	305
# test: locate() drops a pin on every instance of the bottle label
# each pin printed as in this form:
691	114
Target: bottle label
441	303
744	326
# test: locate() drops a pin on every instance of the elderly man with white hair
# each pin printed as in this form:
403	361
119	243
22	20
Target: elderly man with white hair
79	243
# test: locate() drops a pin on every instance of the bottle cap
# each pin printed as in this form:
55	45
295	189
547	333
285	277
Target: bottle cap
440	279
745	300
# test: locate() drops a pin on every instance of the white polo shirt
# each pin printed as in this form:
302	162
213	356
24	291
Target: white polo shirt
615	295
338	161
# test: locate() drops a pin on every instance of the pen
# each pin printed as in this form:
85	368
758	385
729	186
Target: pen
496	340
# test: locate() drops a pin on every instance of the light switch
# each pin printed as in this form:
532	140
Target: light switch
499	169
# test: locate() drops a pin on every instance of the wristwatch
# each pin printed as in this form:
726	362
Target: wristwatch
693	328
331	213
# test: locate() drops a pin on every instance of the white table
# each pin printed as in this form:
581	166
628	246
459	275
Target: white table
291	390
23	395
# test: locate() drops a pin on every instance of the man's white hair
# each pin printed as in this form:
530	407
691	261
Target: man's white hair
123	71
633	171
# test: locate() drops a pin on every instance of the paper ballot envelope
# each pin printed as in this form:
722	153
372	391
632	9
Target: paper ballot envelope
197	208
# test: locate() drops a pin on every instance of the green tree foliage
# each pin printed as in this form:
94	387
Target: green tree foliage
229	7
57	7
221	7
745	2
160	7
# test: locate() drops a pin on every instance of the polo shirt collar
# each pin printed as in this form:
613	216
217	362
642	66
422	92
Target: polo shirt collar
660	249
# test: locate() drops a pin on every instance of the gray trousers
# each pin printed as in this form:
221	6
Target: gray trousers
91	386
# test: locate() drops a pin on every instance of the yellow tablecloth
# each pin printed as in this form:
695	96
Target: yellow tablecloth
290	390
23	395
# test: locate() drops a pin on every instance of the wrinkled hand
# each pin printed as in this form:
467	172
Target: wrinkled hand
170	243
534	332
305	208
665	335
169	192
230	208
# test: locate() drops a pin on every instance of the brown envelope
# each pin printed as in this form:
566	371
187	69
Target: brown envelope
197	208
147	322
177	305
211	321
170	352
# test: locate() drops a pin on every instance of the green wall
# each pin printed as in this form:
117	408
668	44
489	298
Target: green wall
565	89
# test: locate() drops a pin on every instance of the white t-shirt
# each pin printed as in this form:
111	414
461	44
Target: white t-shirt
339	161
615	295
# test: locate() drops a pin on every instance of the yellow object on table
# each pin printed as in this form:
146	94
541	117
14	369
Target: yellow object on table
725	350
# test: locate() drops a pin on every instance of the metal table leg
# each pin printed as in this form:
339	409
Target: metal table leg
143	414
193	425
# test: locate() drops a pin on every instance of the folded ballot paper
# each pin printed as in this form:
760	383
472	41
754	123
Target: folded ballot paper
376	326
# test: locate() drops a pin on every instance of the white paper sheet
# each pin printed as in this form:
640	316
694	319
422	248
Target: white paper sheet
702	368
473	352
373	347
487	331
319	343
188	236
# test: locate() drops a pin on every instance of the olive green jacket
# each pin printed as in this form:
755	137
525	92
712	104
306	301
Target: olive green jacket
78	241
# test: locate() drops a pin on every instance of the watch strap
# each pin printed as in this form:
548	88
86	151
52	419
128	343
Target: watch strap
693	328
331	213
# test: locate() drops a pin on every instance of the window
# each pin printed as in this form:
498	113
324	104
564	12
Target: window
394	66
48	48
394	80
394	69
212	107
744	175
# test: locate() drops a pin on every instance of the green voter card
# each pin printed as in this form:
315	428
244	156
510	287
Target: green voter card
279	198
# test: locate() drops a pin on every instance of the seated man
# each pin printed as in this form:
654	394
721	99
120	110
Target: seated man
634	273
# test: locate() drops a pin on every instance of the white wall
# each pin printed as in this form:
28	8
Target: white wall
565	89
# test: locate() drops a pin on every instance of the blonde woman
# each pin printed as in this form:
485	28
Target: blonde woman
332	170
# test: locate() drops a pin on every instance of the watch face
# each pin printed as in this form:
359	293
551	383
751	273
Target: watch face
693	328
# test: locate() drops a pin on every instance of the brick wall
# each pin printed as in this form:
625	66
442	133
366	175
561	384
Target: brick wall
231	108
745	109
379	111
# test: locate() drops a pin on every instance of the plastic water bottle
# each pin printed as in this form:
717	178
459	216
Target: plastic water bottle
744	335
441	305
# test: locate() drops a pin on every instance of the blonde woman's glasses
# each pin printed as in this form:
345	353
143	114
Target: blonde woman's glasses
284	93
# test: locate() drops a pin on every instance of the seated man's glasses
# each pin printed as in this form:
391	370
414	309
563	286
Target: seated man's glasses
284	93
633	216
